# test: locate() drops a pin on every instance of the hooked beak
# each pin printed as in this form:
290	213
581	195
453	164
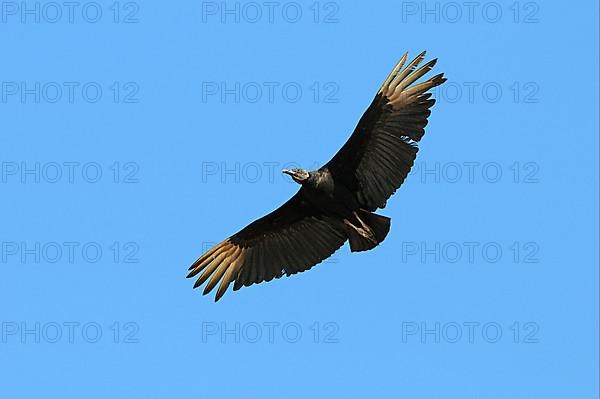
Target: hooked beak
288	172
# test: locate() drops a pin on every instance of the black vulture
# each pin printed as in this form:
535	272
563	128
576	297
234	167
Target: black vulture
336	202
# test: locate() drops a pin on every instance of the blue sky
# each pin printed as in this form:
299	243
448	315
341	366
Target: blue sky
136	135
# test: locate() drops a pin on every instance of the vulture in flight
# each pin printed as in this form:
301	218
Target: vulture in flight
336	202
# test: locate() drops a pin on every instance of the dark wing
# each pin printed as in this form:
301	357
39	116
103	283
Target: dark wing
376	159
291	239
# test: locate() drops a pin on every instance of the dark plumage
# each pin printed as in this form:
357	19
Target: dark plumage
334	203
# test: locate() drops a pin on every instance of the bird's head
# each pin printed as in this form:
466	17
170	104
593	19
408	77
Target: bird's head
299	175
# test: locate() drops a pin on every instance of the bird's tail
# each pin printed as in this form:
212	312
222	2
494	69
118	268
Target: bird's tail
367	231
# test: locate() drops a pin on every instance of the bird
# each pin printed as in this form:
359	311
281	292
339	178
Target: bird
337	202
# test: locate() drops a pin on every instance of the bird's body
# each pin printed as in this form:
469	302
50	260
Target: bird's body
331	198
334	200
335	203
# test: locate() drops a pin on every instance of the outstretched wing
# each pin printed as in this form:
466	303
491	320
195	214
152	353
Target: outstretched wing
291	239
376	159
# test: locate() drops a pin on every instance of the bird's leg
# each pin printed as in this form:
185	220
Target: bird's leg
364	226
364	231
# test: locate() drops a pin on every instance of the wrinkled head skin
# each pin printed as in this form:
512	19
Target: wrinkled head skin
299	175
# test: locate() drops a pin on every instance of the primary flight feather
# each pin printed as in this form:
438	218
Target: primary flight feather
336	202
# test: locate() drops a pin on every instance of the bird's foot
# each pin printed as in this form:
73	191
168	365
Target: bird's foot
364	231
